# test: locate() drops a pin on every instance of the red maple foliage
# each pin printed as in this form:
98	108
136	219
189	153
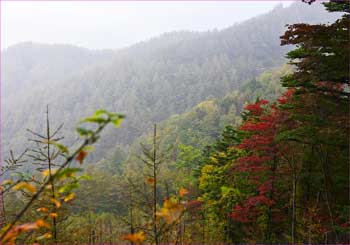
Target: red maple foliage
286	96
261	127
256	108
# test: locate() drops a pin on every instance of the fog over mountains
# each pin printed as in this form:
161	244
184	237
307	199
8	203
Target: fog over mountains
148	81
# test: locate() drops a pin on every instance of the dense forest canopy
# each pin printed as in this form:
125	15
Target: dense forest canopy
228	137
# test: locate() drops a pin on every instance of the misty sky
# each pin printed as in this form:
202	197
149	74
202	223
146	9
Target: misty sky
100	25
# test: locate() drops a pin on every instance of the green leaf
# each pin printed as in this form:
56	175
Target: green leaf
89	148
225	190
100	112
102	116
84	177
67	172
84	131
93	119
68	187
61	147
117	122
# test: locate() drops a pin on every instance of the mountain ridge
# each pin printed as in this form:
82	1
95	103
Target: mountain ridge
148	82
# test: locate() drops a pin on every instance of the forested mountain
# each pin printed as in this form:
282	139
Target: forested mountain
101	197
225	141
202	125
29	64
148	82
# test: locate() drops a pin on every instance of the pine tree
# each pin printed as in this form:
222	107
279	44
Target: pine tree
46	156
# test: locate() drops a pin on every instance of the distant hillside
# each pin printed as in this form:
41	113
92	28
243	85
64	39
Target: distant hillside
149	81
29	65
198	127
202	124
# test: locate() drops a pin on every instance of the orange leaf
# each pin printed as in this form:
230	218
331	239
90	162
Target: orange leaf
43	209
27	227
137	237
24	185
11	236
81	156
42	223
56	202
151	181
53	215
183	192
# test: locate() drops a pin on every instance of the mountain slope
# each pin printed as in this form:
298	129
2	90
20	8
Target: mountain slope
202	124
148	82
198	127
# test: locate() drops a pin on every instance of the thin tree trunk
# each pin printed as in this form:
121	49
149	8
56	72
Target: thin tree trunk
54	226
101	231
327	191
294	180
110	232
90	230
155	228
269	214
294	206
3	212
131	213
184	231
203	229
167	190
178	233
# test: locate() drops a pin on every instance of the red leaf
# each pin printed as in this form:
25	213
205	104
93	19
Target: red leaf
81	156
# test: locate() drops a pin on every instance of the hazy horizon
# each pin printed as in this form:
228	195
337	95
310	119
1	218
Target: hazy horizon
114	25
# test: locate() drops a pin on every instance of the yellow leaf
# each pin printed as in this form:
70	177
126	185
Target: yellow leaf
183	192
89	148
45	236
43	209
7	182
222	154
53	215
171	211
56	202
214	160
24	185
69	197
137	237
46	172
